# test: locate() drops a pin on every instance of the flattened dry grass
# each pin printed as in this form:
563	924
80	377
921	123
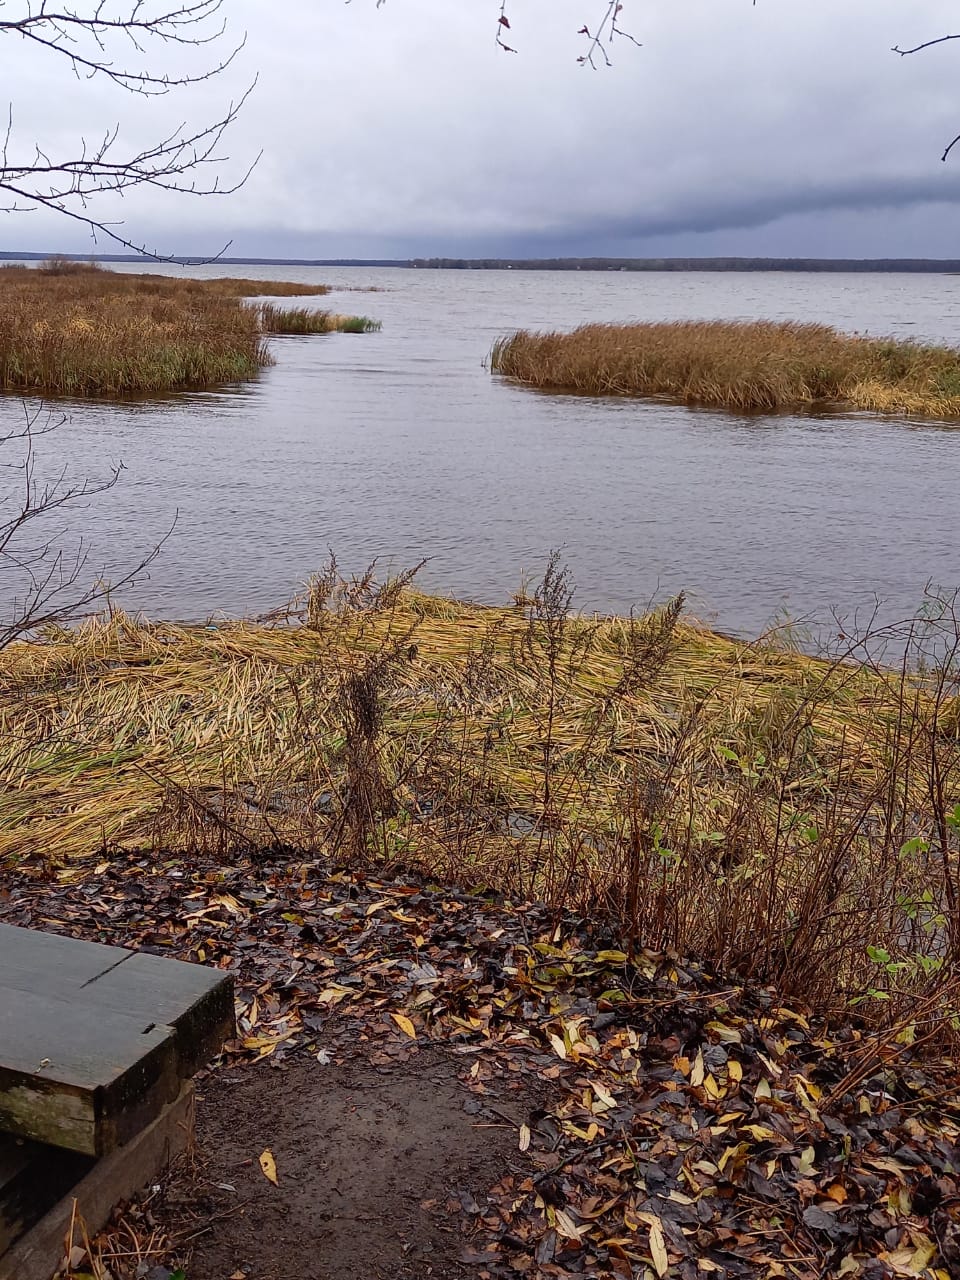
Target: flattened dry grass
741	366
75	329
775	813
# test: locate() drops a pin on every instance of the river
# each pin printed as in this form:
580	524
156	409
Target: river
401	445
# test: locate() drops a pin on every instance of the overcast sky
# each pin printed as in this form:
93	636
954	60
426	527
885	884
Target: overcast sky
784	128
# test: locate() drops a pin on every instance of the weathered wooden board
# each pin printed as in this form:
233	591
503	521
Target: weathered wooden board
33	1177
37	1253
196	1002
77	1076
50	965
95	1040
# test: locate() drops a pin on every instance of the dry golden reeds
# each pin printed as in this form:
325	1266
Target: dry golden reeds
75	329
789	817
91	276
742	366
305	320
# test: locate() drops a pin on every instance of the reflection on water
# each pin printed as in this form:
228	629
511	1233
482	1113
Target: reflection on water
401	445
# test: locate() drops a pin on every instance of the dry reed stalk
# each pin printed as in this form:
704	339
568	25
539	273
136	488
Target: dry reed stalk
741	366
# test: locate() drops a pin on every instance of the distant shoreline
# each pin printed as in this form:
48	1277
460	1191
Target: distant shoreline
939	266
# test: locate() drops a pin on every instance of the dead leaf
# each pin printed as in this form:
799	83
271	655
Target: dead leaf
698	1072
405	1025
268	1167
658	1249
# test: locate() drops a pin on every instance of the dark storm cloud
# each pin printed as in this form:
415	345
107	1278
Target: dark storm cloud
405	131
755	208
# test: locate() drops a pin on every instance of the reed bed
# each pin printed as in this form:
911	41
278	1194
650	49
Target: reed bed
91	276
740	366
791	818
78	330
304	320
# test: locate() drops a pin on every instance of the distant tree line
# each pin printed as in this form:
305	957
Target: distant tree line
690	264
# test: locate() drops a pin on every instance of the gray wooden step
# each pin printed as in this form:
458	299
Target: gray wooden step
49	1191
95	1040
33	1178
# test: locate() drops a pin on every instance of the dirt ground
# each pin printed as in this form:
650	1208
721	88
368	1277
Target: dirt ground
378	1170
452	1086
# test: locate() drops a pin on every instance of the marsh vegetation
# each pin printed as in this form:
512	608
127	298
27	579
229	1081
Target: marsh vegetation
742	366
792	819
74	329
304	320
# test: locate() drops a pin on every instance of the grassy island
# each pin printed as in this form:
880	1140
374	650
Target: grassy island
76	329
295	321
742	366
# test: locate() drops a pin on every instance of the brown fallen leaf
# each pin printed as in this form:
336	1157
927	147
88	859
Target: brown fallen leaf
268	1167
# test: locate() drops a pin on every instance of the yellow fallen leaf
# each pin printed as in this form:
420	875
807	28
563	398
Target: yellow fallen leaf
763	1133
559	1048
713	1089
658	1249
734	1071
524	1137
334	994
924	1255
405	1025
567	1227
740	1149
604	1098
268	1167
726	1035
229	901
698	1071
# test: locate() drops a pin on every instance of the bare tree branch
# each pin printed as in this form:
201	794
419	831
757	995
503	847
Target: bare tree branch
603	35
606	31
927	44
99	43
42	580
918	48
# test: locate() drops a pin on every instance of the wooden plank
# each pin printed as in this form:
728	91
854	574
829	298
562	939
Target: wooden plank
94	1040
117	1177
195	1001
33	1177
50	965
77	1080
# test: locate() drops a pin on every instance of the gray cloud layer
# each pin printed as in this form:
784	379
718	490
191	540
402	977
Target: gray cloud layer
784	128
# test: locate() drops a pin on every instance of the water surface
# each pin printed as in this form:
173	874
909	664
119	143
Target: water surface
401	445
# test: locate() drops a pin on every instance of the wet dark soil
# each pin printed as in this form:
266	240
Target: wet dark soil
375	1167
